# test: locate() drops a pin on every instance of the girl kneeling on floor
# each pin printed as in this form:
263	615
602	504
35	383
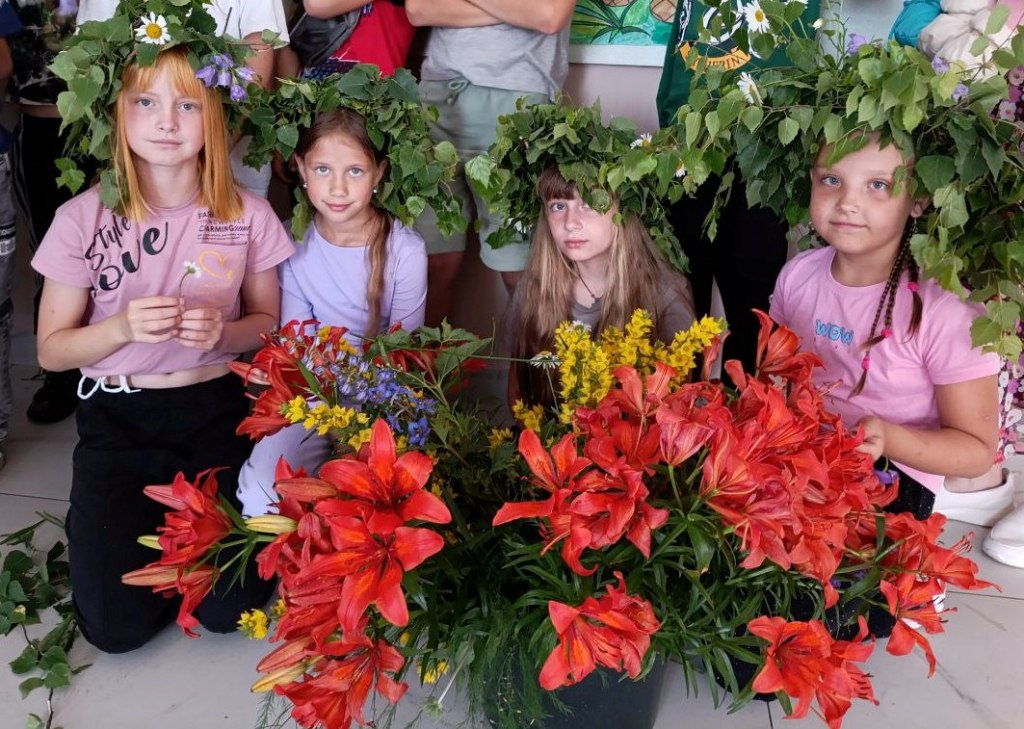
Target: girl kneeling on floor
152	300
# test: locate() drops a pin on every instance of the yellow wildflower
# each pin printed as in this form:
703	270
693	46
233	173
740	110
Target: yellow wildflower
497	436
296	409
530	417
432	674
253	624
360	438
278	609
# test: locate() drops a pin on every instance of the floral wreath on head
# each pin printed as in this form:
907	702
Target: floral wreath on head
419	169
95	58
770	124
608	163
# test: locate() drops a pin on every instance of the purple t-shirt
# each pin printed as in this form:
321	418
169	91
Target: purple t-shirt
118	260
834	320
328	283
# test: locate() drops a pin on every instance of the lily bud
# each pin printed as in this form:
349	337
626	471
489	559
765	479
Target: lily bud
150	540
271	524
288	674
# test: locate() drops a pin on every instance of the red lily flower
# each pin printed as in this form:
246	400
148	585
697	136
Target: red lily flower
197	522
778	352
613	631
371	555
335	697
555	473
385	483
192	584
803	660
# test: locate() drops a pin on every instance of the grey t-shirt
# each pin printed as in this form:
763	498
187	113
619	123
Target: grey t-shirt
499	57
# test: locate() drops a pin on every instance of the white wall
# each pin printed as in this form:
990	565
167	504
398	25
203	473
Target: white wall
630	90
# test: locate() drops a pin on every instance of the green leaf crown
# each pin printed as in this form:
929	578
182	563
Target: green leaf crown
96	57
608	163
419	170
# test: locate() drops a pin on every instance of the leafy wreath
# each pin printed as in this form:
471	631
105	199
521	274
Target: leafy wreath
770	125
419	170
95	59
608	163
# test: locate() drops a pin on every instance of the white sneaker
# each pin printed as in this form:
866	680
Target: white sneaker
1005	543
983	508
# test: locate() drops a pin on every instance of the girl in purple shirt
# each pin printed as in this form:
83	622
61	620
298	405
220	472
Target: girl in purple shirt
357	267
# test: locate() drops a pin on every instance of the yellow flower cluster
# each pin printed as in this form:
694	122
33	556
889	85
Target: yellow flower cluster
254	624
530	417
497	436
681	352
323	417
360	438
585	372
278	609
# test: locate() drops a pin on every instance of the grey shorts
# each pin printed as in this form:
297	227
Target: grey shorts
468	118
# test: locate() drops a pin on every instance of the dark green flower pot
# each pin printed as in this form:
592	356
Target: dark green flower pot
603	701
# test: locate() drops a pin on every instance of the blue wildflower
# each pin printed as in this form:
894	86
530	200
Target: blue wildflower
960	92
854	42
208	75
940	64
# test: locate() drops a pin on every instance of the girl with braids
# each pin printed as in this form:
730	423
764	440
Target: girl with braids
584	266
897	349
357	267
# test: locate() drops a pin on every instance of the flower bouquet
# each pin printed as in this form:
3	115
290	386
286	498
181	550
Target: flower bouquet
646	516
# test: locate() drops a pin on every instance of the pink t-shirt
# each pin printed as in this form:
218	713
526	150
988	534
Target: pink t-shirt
833	321
117	259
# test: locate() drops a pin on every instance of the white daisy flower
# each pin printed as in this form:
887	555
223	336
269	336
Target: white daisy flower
818	23
681	170
581	325
757	21
192	269
749	88
642	141
544	360
152	29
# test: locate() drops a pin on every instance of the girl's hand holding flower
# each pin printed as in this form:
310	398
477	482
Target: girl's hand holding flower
151	319
201	328
874	437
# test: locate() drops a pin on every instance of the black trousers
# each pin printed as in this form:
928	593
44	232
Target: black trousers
127	442
744	259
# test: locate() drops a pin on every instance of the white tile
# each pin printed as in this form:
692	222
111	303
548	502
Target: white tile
977	682
38	456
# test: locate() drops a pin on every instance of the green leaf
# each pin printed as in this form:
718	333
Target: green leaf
984	331
752	117
997	19
479	168
935	171
788	129
288	136
29	685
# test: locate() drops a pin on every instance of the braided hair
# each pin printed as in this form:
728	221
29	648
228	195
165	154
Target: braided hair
904	261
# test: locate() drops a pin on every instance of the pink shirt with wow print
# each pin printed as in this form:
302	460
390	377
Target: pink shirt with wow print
833	321
90	246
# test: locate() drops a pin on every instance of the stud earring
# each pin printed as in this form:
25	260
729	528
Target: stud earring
304	184
375	190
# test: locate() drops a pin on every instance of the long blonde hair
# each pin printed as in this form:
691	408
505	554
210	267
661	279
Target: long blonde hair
635	273
352	125
217	188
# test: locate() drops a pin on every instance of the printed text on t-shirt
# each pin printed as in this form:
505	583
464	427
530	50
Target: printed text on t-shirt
113	254
833	332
